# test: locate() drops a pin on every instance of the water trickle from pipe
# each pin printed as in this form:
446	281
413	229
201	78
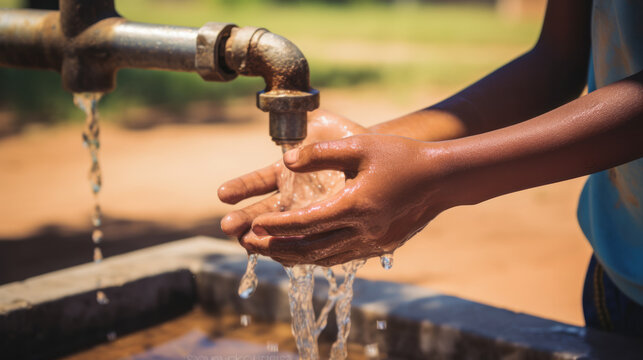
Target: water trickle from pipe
88	103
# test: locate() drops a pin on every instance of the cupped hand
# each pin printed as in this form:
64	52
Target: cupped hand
394	187
322	126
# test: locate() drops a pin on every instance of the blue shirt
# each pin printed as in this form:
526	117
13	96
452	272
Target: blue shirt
610	209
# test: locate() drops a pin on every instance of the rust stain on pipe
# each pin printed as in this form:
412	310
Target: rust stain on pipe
288	96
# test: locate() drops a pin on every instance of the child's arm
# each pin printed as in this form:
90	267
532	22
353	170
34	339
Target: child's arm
400	184
551	74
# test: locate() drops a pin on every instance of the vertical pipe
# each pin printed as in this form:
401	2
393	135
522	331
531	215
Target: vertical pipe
78	15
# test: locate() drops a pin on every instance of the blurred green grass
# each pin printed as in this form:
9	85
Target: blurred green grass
397	47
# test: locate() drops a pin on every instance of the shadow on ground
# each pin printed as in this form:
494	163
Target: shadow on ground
54	247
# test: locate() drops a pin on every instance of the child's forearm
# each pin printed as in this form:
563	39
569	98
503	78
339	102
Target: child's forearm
593	133
551	74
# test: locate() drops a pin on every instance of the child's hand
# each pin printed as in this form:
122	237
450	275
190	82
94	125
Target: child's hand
321	126
394	187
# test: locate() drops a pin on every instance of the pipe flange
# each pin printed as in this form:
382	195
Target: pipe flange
236	51
284	101
210	53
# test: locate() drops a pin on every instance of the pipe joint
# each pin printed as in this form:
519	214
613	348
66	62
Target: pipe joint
210	52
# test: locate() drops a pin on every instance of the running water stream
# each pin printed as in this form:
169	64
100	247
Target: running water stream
88	103
298	190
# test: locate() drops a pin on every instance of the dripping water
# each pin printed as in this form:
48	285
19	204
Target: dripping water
249	280
88	103
372	351
386	261
245	320
297	191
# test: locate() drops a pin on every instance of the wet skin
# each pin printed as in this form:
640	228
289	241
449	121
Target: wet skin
517	128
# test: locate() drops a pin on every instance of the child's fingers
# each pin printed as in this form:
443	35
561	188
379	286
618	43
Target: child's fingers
238	222
255	183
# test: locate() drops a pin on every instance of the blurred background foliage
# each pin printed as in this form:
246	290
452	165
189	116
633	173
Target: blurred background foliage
394	46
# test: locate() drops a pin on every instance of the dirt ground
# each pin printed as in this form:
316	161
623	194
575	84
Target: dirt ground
523	251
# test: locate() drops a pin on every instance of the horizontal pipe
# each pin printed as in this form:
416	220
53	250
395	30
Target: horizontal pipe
149	46
87	42
31	39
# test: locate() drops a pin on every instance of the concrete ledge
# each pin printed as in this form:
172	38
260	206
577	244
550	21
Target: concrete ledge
57	313
421	323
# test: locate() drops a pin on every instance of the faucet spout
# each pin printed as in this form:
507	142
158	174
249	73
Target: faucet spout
288	96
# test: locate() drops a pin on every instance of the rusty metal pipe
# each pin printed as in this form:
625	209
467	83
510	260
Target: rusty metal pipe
88	61
88	42
31	39
149	46
288	96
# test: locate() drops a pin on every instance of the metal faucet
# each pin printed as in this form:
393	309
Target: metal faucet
88	42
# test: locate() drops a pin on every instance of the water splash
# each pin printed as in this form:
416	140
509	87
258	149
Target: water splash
297	191
339	350
249	280
300	298
386	261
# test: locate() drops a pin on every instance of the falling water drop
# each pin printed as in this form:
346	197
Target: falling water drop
381	324
245	320
386	261
97	216
372	351
97	237
249	280
272	346
101	298
86	141
96	183
111	336
98	255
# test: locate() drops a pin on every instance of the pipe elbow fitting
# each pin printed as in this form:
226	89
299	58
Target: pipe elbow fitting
255	51
288	96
